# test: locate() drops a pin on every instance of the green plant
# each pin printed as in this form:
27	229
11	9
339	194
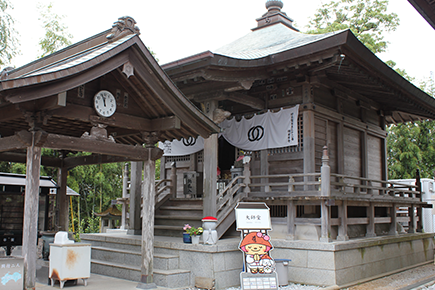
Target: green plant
192	230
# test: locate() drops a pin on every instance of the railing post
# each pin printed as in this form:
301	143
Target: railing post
325	174
291	186
419	209
174	180
247	175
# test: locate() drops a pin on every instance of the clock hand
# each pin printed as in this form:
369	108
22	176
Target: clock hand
104	100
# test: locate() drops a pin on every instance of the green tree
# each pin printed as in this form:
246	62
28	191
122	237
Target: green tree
410	145
8	35
367	19
56	33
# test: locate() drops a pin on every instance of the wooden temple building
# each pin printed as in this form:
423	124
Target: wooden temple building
334	213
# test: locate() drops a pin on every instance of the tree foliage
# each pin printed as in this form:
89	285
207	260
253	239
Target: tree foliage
367	19
8	35
56	33
410	145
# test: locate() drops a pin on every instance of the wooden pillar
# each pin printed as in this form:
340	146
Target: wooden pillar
371	225
393	225
174	180
135	197
62	201
325	174
342	228
264	168
30	226
210	166
148	204
325	222
309	146
340	148
364	157
193	162
291	216
124	196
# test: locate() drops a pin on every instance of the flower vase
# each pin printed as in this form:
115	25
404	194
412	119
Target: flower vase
187	238
195	239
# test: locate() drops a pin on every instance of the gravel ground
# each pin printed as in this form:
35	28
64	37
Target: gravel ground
291	286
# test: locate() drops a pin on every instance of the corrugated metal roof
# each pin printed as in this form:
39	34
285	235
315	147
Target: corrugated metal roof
79	58
20	180
267	41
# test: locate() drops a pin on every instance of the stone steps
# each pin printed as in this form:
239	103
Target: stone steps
123	260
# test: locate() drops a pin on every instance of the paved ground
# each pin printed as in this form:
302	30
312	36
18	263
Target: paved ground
413	278
417	278
96	282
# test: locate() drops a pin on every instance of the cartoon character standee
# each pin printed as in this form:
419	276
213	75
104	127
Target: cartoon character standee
256	246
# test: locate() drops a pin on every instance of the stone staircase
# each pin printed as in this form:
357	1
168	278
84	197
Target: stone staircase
121	257
175	213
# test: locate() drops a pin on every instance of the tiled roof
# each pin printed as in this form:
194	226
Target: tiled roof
268	41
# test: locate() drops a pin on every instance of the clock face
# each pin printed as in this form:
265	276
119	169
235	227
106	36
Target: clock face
105	104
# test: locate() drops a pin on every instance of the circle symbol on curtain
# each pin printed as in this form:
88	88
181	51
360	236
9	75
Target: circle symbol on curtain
189	142
255	133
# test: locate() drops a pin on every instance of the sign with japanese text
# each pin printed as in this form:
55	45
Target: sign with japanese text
253	215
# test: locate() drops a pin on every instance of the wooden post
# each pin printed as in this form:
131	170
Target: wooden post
30	226
291	216
342	228
393	225
148	203
325	222
124	196
210	166
412	220
62	201
247	180
174	180
325	173
309	146
135	198
371	226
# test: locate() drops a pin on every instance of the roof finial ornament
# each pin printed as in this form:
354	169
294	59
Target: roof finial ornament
124	26
274	5
274	15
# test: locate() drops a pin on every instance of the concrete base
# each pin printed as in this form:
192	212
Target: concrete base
312	262
342	263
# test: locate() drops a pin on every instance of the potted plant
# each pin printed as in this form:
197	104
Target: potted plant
193	232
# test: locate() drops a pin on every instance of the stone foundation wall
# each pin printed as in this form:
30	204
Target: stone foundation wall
341	263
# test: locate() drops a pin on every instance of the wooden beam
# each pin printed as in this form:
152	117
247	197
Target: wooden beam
20	140
252	102
8	113
60	142
71	162
21	158
87	114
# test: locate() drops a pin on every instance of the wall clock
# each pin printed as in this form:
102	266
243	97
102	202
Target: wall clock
105	103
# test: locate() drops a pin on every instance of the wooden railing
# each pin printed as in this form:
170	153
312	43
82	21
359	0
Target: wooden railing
166	188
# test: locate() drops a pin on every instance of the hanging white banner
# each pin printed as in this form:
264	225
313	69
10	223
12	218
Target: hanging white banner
265	131
182	147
